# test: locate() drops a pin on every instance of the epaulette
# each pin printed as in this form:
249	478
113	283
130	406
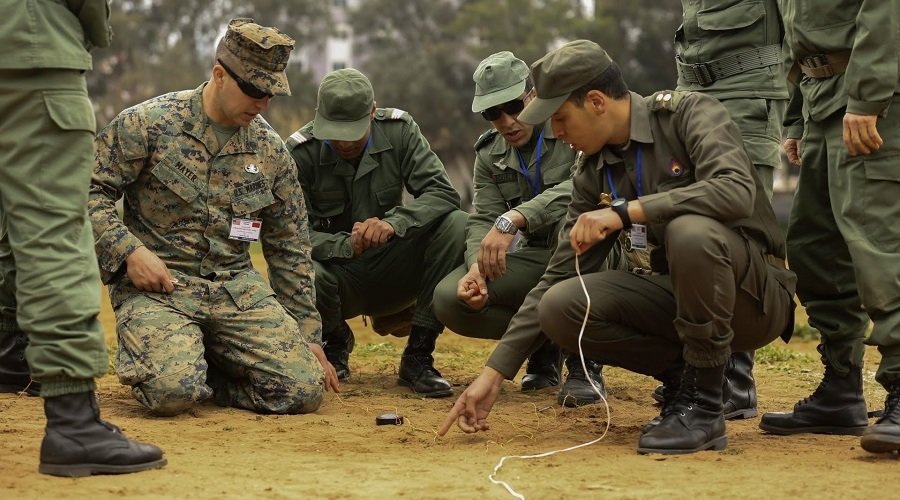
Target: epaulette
296	139
391	114
485	138
667	100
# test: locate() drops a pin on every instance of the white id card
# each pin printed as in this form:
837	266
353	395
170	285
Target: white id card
245	229
639	236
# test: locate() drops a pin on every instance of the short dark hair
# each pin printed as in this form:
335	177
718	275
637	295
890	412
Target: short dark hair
610	82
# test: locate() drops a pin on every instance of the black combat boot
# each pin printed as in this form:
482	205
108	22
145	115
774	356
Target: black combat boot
543	367
78	443
739	390
14	373
884	436
417	365
577	391
695	422
837	406
671	382
338	344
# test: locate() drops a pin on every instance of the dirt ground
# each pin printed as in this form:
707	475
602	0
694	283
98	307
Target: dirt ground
339	452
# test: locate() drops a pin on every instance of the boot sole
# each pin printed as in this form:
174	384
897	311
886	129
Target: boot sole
742	414
436	394
84	470
880	443
822	429
717	444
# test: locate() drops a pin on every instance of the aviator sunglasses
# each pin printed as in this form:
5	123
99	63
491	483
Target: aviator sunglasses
246	87
511	108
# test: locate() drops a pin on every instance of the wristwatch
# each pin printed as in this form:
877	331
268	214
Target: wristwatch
620	207
505	225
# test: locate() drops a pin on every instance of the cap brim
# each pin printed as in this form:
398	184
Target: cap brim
539	110
326	129
483	102
281	86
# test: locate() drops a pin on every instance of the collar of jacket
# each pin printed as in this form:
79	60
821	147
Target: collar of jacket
640	127
197	125
502	149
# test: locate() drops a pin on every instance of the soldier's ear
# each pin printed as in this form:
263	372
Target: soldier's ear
218	74
596	100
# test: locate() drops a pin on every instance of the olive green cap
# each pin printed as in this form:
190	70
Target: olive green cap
499	78
344	106
558	73
257	54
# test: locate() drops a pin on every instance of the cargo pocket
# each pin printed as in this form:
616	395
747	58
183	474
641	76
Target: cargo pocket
755	278
247	292
880	210
389	197
133	365
740	14
70	110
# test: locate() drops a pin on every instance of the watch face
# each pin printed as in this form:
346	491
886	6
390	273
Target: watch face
505	225
619	201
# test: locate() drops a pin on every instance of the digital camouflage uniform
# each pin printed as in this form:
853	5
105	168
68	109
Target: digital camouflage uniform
646	323
427	244
843	237
48	274
223	329
732	50
499	187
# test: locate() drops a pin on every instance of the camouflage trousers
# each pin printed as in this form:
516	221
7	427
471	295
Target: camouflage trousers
225	339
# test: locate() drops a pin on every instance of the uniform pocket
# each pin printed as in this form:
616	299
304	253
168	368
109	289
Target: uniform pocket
70	110
252	203
714	16
390	196
133	364
246	291
880	208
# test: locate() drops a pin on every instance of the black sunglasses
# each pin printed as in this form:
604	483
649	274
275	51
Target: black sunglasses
512	108
246	87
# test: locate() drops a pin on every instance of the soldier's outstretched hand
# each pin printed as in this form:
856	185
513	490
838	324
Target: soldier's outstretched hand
331	378
592	228
148	272
473	406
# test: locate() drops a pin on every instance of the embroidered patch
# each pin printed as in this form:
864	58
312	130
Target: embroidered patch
676	169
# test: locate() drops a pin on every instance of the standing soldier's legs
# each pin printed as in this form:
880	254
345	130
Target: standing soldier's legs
864	193
161	352
46	154
262	362
827	287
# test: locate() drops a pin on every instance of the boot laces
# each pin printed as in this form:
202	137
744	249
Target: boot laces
822	388
686	394
892	404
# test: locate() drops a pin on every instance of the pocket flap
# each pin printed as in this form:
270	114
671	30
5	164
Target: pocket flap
739	15
252	202
246	291
70	110
172	174
391	195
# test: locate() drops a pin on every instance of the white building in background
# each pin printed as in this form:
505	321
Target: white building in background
335	50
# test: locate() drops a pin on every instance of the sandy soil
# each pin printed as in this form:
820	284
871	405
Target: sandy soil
339	452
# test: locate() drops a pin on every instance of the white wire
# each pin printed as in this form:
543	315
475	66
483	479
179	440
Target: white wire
492	476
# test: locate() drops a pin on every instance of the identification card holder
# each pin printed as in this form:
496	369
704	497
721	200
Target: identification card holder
245	229
514	244
639	236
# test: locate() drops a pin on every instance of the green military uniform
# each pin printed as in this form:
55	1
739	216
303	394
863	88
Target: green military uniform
48	275
696	206
427	243
843	238
500	185
732	50
224	329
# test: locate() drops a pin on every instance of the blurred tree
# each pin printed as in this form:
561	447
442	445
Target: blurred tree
167	45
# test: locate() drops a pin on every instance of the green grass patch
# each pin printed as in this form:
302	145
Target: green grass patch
805	332
770	355
374	349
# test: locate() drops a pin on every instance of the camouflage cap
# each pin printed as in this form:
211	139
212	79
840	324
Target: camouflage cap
344	106
498	78
257	54
558	73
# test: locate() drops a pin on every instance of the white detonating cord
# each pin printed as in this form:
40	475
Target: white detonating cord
587	311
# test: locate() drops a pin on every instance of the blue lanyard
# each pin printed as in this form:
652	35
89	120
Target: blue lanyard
536	185
640	177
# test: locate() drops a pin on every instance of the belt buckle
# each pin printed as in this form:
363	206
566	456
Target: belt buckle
703	73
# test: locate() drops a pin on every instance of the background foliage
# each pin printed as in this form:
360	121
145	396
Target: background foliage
419	54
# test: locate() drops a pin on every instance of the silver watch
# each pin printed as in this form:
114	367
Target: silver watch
505	225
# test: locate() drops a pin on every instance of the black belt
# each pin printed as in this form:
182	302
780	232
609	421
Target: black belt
717	69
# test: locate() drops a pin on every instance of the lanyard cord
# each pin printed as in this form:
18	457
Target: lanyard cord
536	185
640	177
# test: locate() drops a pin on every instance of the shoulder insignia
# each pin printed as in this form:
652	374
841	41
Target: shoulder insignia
391	114
296	139
485	138
667	100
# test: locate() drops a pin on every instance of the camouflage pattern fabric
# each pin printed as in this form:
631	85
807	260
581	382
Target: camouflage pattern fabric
179	202
258	54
